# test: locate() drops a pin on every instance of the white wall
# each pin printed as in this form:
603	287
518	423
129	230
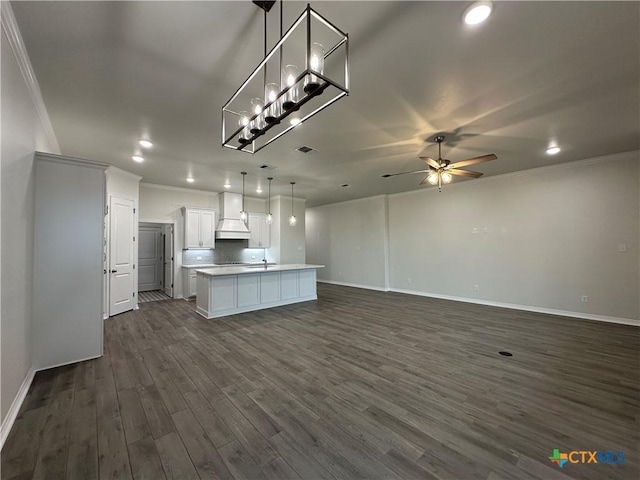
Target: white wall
25	129
349	239
68	253
287	243
553	235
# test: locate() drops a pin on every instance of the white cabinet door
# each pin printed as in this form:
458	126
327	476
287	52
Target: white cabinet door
199	228
259	231
208	229
248	290
265	233
192	229
254	228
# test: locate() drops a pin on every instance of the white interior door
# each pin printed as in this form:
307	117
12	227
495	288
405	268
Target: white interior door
167	235
150	262
121	245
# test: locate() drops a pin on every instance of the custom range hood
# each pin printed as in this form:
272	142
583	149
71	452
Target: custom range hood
230	227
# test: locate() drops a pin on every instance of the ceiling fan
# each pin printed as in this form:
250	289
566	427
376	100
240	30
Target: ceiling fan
440	171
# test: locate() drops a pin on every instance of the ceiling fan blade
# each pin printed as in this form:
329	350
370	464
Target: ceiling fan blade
387	175
431	162
425	181
464	173
471	161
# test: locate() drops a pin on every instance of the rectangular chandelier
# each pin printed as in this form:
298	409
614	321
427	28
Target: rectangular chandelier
305	72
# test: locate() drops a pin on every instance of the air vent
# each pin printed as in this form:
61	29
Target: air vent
305	149
264	166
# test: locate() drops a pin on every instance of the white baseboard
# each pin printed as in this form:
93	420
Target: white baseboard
354	285
12	414
527	308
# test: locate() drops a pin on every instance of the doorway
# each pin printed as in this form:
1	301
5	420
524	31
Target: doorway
155	260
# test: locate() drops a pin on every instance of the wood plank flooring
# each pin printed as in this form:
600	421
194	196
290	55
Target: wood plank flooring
358	385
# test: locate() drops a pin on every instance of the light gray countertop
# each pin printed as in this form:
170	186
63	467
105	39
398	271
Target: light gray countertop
238	270
218	265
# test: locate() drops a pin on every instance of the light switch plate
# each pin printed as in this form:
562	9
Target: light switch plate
622	247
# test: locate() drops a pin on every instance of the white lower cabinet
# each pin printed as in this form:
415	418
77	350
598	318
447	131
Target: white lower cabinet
228	294
248	290
289	285
270	287
189	282
223	293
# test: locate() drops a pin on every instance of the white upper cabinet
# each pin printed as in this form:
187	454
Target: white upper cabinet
199	227
260	233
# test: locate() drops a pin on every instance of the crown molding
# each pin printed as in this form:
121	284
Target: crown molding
14	38
178	189
52	157
123	173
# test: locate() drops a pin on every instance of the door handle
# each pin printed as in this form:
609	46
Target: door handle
114	271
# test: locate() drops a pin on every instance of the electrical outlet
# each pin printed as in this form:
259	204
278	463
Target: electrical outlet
357	248
476	288
622	247
198	258
409	280
485	230
474	230
584	299
253	257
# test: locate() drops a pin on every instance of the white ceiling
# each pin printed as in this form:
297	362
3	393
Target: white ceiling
533	73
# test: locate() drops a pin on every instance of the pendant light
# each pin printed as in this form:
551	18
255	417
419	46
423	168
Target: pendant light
292	218
243	213
269	216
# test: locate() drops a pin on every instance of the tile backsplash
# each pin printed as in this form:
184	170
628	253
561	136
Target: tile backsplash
226	251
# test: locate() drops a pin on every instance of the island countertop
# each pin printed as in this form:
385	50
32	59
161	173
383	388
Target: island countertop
239	270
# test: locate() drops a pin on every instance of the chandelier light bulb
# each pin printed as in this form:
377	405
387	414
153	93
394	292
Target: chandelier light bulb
446	177
292	221
257	124
316	63
432	178
243	216
243	121
269	219
289	75
271	91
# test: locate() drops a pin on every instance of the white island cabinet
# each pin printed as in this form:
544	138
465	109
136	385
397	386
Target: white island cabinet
230	290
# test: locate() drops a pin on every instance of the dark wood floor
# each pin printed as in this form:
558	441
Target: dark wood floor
358	385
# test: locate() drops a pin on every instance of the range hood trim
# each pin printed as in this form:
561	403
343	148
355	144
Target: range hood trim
230	226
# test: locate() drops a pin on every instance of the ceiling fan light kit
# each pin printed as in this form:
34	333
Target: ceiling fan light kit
441	171
306	71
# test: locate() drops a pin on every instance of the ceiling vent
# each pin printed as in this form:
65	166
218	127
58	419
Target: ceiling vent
264	166
305	149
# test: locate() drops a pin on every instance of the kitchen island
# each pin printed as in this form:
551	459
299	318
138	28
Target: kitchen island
230	290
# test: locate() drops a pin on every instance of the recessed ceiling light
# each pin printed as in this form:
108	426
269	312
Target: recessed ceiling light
258	190
190	179
477	12
145	143
227	185
295	121
137	158
553	150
